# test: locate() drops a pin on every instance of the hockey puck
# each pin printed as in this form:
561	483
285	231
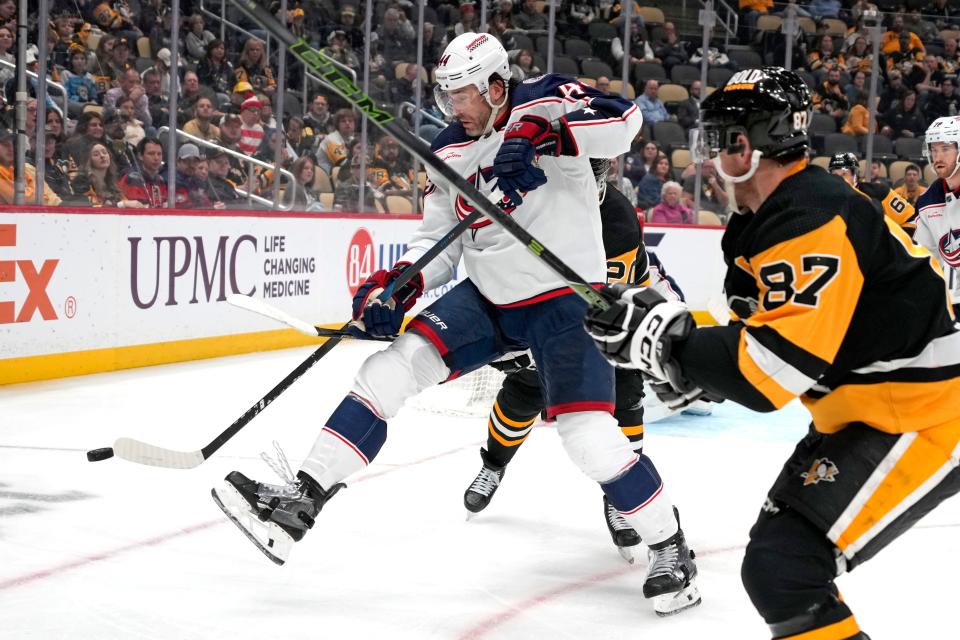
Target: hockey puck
96	455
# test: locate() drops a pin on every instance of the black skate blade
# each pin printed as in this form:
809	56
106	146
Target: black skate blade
252	538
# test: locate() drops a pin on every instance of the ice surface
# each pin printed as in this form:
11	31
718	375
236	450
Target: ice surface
117	550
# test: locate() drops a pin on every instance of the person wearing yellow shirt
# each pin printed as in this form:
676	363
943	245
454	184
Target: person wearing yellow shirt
30	178
912	188
858	121
890	43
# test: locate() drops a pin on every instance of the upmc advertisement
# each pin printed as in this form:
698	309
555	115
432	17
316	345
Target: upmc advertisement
114	289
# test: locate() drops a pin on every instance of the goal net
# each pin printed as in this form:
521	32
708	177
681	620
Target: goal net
471	396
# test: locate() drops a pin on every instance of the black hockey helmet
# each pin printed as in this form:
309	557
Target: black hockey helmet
845	160
769	105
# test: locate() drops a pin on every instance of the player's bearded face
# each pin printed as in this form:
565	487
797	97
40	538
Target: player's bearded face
944	157
470	108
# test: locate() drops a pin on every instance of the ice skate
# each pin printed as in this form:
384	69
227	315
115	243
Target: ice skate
481	490
671	578
624	536
272	516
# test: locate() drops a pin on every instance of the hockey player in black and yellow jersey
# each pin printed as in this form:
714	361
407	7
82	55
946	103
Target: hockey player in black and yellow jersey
520	399
894	206
837	306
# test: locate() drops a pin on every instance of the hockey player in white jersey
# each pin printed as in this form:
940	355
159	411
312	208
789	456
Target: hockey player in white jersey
938	208
533	141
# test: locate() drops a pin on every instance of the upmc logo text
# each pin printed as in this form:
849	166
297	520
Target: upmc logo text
175	257
36	280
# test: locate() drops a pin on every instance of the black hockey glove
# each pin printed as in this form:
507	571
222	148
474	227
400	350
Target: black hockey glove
638	331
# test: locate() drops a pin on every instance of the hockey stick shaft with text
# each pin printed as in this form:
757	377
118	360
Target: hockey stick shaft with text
342	84
148	454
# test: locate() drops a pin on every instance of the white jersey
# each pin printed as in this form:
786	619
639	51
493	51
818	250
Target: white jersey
563	214
938	229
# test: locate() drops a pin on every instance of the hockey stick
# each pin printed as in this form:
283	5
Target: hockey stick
152	455
346	88
259	306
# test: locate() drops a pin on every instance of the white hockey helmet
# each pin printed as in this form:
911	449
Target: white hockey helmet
945	129
470	58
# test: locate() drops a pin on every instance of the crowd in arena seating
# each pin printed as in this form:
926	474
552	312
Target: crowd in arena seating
114	60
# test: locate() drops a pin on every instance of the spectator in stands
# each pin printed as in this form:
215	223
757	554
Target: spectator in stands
829	97
318	119
396	38
878	173
893	93
581	14
119	61
54	169
304	171
201	196
100	64
151	15
130	87
858	84
498	26
523	66
55	128
858	122
89	130
528	18
132	127
145	183
297	139
348	23
944	13
905	120
603	84
157	103
640	50
688	111
347	193
197	39
252	67
241	91
251	132
435	40
622	184
403	89
859	55
857	9
6	46
7	158
648	191
97	181
162	66
924	29
186	171
651	106
615	12
338	48
267	118
116	18
79	83
468	22
946	102
893	40
215	71
201	126
648	156
671	50
824	58
115	140
190	91
712	195
220	186
396	174
670	210
750	12
951	57
231	131
931	77
911	188
333	149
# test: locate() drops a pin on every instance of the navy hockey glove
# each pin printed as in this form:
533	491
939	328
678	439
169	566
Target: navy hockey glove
383	319
526	138
638	331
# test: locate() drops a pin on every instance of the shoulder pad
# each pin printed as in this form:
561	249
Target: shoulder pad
933	195
454	133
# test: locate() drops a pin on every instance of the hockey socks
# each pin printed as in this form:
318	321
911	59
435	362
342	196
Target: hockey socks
639	496
506	431
351	438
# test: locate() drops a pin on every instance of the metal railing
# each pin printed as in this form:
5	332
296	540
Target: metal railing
727	19
248	193
50	83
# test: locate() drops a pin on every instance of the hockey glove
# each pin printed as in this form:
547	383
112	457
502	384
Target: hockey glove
638	331
383	319
526	138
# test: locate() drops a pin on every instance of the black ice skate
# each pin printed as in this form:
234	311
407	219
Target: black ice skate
624	536
273	516
671	578
481	490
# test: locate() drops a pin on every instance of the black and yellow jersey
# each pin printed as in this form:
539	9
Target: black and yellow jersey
623	240
894	206
836	305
